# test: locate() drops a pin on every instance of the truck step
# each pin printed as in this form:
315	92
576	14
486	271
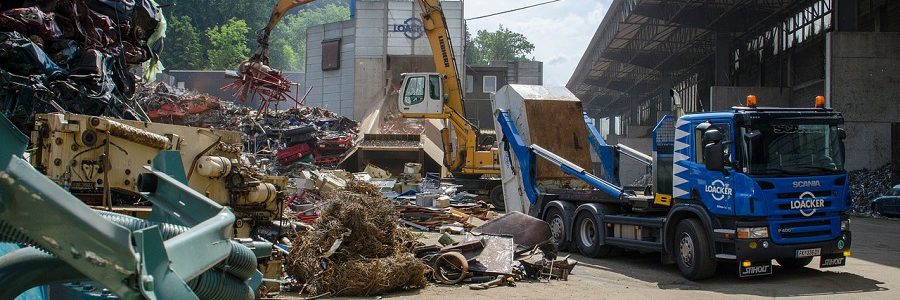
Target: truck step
634	244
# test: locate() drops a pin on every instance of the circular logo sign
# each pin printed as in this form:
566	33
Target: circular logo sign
718	190
411	28
807	204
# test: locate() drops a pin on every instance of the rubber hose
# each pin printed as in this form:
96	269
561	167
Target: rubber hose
9	234
215	284
26	268
241	262
168	231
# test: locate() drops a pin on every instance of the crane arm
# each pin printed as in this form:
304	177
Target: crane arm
281	9
435	26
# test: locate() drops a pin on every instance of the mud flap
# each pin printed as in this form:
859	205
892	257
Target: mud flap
834	260
756	269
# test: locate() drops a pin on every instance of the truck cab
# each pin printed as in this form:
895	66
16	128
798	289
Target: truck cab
772	181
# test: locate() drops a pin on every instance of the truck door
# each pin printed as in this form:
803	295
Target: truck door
716	188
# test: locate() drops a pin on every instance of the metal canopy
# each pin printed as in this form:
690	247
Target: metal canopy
643	47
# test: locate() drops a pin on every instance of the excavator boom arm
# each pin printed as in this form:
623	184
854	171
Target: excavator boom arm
281	9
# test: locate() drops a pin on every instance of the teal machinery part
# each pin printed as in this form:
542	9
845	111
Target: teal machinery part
131	261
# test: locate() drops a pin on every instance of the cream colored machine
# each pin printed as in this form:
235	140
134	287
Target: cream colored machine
98	159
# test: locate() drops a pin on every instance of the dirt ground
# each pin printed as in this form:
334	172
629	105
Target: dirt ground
873	272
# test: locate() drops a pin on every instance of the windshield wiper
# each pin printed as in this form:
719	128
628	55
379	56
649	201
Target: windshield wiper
821	168
775	171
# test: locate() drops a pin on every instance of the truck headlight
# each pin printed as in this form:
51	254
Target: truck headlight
752	232
845	225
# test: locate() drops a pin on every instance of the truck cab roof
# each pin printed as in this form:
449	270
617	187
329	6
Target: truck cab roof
747	115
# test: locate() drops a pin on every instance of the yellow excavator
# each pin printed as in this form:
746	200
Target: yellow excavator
439	96
261	54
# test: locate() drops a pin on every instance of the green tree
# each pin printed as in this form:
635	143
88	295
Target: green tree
289	37
228	45
182	47
502	44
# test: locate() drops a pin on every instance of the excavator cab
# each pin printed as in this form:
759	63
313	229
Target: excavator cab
422	96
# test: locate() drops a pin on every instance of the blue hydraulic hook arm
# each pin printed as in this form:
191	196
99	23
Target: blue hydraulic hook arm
608	155
525	154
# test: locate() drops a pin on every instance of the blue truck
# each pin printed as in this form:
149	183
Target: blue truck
746	186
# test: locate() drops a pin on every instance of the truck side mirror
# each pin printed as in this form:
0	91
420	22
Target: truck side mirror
712	136
715	156
842	134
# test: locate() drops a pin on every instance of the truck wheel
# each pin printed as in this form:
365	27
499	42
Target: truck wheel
692	250
794	263
588	235
558	229
496	196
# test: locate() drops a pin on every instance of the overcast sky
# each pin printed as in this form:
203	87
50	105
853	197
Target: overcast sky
560	31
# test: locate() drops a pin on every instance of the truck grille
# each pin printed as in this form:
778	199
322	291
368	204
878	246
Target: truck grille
791	226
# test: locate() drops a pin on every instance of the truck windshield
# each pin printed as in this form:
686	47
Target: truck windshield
791	149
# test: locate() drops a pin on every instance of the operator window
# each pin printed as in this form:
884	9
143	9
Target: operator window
415	91
434	86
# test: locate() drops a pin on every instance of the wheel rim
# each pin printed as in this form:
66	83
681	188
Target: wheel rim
687	249
588	232
556	228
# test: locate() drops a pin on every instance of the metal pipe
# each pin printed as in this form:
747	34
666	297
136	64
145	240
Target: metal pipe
634	154
131	133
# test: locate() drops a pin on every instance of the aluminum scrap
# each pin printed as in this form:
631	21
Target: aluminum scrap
866	185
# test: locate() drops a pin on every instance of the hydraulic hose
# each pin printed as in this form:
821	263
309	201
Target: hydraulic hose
215	284
224	281
25	268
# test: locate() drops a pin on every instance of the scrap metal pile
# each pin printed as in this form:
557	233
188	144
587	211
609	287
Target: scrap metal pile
296	139
866	185
76	56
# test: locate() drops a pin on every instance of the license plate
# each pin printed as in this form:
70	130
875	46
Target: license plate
835	260
755	270
809	252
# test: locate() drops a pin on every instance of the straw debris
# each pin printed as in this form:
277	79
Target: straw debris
372	257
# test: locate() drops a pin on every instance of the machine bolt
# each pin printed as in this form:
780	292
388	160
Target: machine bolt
147	281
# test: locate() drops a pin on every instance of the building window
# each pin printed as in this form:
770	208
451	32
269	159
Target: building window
489	84
331	54
470	83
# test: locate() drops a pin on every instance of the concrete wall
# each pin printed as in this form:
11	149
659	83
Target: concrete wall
331	89
865	85
725	97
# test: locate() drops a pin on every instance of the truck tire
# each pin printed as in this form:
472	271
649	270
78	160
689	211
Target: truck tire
496	196
692	255
558	229
794	263
588	235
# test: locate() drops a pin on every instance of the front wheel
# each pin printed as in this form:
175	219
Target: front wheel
794	263
692	251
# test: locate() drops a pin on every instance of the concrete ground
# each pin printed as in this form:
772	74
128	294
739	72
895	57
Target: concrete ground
873	272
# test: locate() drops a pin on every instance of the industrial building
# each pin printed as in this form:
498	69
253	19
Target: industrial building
715	53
